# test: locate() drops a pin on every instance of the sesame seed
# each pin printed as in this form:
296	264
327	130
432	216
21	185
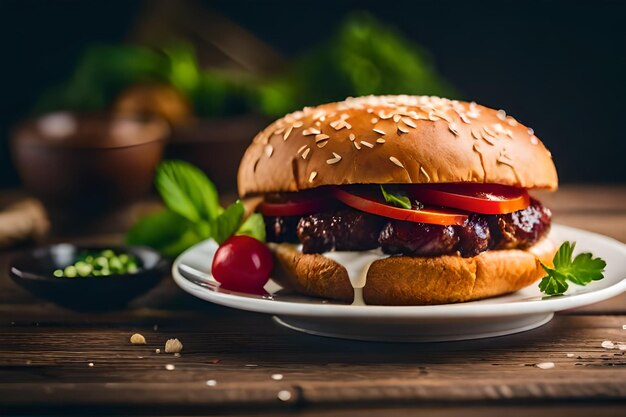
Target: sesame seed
170	367
489	131
452	127
433	117
384	115
90	364
365	143
211	383
318	123
306	153
402	129
284	395
277	377
531	131
269	150
501	114
351	136
569	355
512	122
279	131
396	161
303	147
287	133
465	119
396	118
312	176
339	124
380	140
476	134
379	131
370	110
334	160
534	140
356	145
407	121
423	171
320	137
545	365
374	120
489	140
607	344
297	124
499	128
503	159
322	143
311	131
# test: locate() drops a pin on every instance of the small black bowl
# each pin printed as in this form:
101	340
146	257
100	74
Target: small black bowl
33	271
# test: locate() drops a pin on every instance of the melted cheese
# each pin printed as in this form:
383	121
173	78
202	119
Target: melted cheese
356	264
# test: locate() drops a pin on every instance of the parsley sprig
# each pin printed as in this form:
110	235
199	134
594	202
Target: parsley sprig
192	213
581	270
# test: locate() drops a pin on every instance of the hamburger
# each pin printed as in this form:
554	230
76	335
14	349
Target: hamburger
401	200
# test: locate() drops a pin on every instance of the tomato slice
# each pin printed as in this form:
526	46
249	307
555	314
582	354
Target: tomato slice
297	204
477	198
370	204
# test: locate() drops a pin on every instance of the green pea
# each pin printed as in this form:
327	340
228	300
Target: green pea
70	271
58	273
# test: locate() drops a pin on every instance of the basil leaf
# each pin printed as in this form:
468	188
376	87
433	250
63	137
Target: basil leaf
228	222
253	226
166	231
396	200
187	191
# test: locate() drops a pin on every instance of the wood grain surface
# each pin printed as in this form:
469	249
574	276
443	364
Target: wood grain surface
260	368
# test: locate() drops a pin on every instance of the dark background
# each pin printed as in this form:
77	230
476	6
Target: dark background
558	67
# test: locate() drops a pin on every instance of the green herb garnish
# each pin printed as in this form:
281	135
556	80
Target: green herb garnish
99	264
397	200
581	270
192	213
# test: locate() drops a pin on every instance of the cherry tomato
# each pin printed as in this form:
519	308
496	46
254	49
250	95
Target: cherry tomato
477	198
242	264
370	204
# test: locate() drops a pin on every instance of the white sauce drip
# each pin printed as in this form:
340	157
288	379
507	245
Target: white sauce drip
356	264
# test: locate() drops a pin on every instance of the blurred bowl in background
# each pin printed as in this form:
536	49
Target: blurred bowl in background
84	162
216	146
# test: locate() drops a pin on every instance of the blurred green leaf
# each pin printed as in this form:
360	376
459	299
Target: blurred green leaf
363	57
187	191
165	231
253	226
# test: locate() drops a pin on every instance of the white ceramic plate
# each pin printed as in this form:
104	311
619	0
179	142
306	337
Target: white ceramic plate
523	310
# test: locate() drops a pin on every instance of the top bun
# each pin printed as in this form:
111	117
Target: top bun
394	139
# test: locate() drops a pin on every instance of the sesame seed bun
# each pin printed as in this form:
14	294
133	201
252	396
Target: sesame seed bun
405	280
394	139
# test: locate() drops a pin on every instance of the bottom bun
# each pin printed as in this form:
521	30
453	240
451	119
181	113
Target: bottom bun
406	280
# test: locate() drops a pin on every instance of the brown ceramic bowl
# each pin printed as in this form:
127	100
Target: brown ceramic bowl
87	162
216	146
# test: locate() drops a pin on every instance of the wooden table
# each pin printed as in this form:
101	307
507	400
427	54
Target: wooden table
55	361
